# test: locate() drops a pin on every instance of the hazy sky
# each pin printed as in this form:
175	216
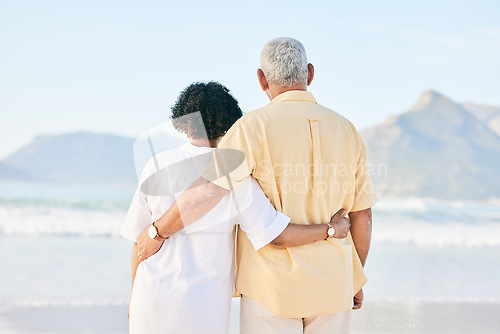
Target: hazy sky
117	66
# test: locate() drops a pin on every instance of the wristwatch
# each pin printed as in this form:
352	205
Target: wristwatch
331	231
153	233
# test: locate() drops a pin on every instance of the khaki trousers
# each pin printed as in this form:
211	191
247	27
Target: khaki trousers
256	319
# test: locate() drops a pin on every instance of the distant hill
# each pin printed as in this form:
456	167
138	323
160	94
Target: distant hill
489	115
11	173
436	149
81	157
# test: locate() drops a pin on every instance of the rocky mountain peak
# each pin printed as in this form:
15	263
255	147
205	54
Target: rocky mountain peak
432	99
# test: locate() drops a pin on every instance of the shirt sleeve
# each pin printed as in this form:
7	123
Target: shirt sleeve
257	216
138	217
234	159
364	197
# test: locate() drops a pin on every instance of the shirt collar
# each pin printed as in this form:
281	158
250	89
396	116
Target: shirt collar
196	149
294	95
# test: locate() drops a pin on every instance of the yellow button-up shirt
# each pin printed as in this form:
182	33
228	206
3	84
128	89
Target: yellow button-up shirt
310	162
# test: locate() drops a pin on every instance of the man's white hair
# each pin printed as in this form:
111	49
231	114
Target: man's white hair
284	62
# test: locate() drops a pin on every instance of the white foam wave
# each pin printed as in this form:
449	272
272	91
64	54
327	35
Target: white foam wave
423	223
462	237
437	223
53	221
416	204
413	232
434	299
124	301
64	302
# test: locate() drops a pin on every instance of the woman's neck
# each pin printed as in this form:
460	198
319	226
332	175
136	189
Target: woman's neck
205	142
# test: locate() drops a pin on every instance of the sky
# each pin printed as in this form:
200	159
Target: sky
118	66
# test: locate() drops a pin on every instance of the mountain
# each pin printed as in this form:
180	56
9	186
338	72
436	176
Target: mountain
489	115
81	157
11	173
436	149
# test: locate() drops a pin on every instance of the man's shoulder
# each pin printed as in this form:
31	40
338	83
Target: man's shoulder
259	118
336	116
280	110
344	128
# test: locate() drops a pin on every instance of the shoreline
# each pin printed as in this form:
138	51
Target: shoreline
427	317
374	317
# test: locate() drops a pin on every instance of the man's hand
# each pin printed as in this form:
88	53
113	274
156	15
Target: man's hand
341	224
358	300
147	246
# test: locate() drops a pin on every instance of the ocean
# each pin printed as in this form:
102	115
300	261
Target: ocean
60	246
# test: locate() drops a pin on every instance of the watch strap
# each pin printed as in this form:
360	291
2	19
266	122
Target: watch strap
330	227
158	237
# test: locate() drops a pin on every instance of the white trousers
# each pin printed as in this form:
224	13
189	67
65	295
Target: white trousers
256	319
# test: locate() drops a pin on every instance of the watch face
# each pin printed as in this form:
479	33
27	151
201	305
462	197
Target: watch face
151	231
331	231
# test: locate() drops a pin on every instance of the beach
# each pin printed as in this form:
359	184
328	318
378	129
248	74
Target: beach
65	319
65	268
374	317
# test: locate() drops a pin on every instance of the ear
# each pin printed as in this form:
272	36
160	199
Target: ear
310	73
262	80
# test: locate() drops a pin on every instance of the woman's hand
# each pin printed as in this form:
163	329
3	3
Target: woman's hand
341	224
147	246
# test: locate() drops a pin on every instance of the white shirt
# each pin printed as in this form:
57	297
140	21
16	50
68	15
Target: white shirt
186	287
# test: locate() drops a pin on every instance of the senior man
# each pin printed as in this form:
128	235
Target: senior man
310	162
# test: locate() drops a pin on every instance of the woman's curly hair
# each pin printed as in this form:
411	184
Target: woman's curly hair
213	102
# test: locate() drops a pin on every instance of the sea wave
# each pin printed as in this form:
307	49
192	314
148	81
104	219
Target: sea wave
437	223
31	302
69	203
51	302
417	222
438	211
406	231
36	221
85	197
434	299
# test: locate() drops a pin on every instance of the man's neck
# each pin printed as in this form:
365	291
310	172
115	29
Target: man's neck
273	91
